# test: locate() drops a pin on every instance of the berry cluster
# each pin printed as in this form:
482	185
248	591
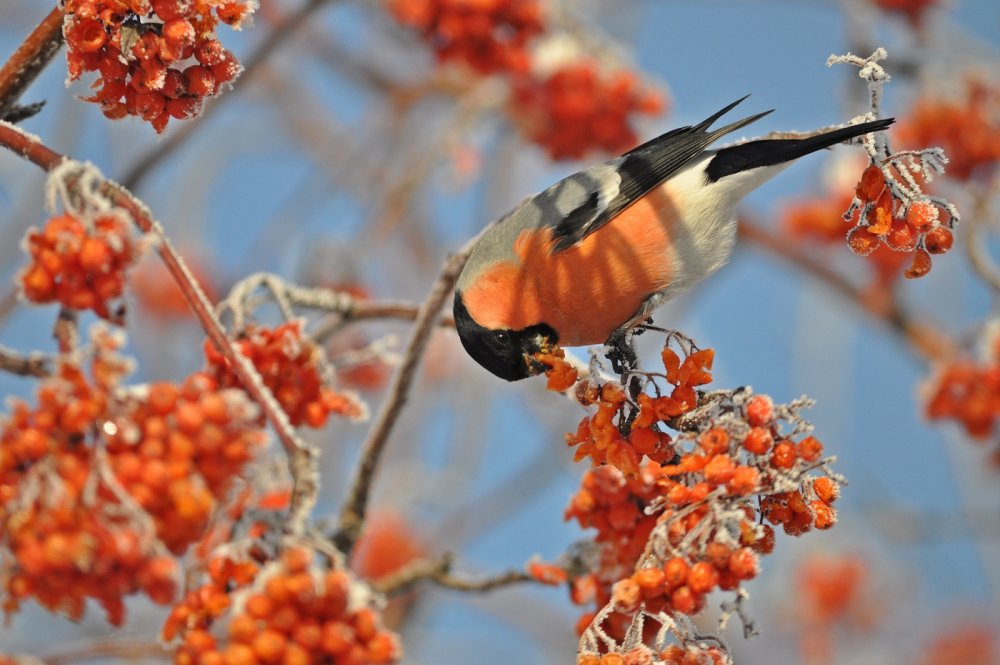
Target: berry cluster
289	612
288	364
176	449
619	436
968	130
902	224
96	479
80	263
569	107
678	517
487	35
579	107
672	655
157	59
913	10
832	589
969	392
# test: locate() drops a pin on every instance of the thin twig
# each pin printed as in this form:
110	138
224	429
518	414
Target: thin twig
439	572
371	310
302	457
924	339
352	515
274	39
975	248
109	649
30	58
33	365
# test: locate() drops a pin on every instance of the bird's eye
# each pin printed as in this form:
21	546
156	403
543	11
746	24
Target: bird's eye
501	338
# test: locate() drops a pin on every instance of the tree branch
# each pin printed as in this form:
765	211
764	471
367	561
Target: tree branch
926	341
30	59
352	515
33	365
439	572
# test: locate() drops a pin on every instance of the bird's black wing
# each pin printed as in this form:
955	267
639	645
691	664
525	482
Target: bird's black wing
642	169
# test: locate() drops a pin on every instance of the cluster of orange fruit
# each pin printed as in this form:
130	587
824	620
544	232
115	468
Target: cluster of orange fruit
157	59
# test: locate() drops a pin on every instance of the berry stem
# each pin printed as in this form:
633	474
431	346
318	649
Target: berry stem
352	515
30	58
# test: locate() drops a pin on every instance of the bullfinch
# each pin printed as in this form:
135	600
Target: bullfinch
594	254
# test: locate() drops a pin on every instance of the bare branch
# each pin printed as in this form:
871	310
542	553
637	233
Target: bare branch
30	59
33	365
352	515
439	572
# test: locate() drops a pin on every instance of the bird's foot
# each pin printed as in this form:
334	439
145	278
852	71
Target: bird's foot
621	351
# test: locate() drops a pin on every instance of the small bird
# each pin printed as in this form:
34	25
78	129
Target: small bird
594	254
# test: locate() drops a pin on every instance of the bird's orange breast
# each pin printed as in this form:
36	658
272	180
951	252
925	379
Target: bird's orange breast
587	291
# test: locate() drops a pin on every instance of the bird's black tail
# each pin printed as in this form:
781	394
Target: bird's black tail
768	152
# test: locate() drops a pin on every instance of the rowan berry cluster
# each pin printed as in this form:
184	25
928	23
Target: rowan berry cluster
99	482
899	217
621	436
968	129
288	363
678	516
487	35
831	589
912	10
968	392
670	655
581	107
290	611
157	59
569	105
80	262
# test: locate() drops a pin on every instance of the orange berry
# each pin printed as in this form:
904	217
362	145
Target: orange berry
719	470
714	441
259	606
242	628
826	489
269	646
862	241
810	449
336	638
938	240
922	215
703	577
765	543
825	515
684	601
743	563
921	265
626	594
649	579
239	654
871	184
383	648
744	480
612	659
758	440
760	410
783	455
